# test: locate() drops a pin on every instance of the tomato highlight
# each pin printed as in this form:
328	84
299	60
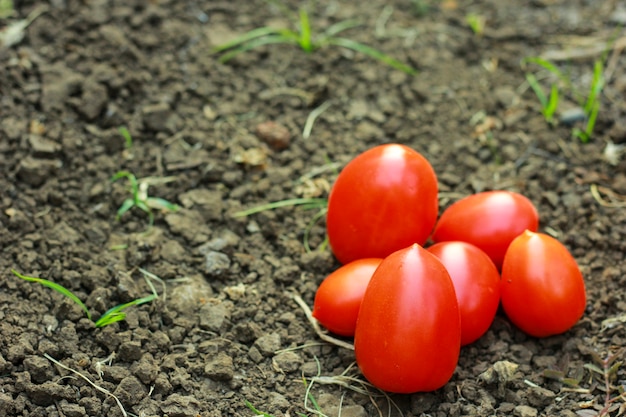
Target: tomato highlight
384	200
543	290
489	220
476	283
408	332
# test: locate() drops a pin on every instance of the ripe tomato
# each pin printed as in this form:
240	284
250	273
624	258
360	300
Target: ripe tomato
384	200
476	283
339	296
489	220
408	332
543	290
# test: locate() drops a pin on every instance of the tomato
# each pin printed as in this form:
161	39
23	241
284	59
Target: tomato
384	200
476	284
339	296
543	290
489	220
408	332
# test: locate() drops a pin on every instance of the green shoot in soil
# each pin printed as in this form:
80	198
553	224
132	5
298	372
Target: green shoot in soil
603	377
128	139
140	198
306	40
476	22
590	102
112	315
6	8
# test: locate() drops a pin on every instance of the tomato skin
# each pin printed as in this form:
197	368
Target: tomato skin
543	290
339	296
384	200
408	332
489	220
476	284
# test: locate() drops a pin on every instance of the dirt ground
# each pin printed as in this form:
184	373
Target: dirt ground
225	328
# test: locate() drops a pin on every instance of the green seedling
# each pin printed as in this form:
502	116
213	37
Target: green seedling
590	102
6	9
602	377
128	139
111	316
549	104
306	40
139	196
476	22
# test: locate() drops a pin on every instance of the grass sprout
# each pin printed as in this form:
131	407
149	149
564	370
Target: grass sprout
476	22
128	139
602	377
6	9
111	316
304	38
589	102
139	195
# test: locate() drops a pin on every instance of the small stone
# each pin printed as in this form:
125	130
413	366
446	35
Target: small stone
155	117
177	405
525	411
130	351
212	316
43	147
130	391
36	171
540	397
71	410
275	135
220	368
93	100
268	344
216	263
287	361
187	297
39	368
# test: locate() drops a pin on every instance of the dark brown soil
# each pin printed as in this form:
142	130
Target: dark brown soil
227	330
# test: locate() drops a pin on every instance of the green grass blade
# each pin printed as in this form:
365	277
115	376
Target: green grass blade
553	104
126	205
293	38
534	84
255	411
545	64
279	204
113	314
56	287
128	139
305	32
161	204
597	84
339	27
246	37
134	185
373	53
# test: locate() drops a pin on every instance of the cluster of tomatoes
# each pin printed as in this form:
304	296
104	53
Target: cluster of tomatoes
410	308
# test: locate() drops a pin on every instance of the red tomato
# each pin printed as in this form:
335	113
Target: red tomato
384	200
408	332
489	220
339	296
543	290
476	284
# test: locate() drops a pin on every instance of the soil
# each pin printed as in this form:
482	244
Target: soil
218	138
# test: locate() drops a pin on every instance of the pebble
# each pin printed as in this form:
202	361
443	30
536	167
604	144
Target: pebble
213	315
177	405
287	361
275	135
216	263
268	344
525	411
220	368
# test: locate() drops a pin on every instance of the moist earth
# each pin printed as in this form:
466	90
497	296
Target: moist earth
218	138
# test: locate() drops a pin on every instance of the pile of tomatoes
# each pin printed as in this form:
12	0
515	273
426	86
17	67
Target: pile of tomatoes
410	308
